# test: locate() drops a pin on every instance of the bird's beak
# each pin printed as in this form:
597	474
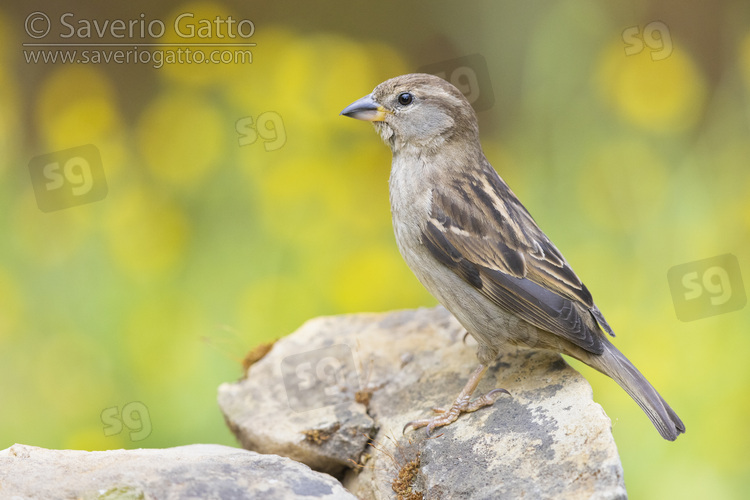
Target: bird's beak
365	109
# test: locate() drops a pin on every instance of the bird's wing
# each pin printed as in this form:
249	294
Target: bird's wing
480	230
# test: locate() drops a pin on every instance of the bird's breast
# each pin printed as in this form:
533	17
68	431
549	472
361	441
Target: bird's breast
411	187
410	195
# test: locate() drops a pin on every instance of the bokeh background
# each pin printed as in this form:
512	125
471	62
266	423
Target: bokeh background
239	204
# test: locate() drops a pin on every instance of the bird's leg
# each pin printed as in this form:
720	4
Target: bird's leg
462	404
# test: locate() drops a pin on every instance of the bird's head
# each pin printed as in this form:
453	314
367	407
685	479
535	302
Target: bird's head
417	110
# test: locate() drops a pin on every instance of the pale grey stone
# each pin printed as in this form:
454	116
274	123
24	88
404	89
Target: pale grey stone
198	471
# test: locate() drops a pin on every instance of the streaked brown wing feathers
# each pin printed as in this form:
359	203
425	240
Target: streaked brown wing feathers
479	229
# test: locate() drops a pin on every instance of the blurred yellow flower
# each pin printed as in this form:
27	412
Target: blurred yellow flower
180	137
196	23
337	191
311	78
257	87
75	106
377	279
664	95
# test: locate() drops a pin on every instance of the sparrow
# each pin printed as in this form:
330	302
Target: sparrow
475	247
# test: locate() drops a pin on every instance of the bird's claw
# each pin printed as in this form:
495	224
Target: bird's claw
457	408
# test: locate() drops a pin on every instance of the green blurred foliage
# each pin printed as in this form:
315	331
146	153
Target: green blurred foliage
205	247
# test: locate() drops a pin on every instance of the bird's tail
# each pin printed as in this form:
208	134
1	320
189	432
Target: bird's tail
615	365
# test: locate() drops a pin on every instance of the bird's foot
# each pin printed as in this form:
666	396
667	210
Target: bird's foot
463	404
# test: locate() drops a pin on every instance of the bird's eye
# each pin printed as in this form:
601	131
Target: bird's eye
405	98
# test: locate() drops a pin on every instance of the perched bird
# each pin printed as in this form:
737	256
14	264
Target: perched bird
474	246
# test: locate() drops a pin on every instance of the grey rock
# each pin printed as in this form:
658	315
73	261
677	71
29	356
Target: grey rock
548	440
197	471
299	400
